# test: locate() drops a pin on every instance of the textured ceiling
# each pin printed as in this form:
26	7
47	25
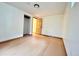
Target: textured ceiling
45	9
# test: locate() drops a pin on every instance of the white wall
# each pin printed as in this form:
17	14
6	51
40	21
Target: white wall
11	22
65	28
26	26
52	25
71	32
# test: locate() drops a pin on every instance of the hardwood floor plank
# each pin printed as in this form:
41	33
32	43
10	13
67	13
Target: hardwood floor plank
36	45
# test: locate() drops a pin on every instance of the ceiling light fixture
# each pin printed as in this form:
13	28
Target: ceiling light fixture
36	5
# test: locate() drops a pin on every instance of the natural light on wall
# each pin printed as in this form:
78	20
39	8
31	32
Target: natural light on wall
72	4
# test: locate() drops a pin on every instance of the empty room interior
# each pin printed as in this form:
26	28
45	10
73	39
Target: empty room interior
39	29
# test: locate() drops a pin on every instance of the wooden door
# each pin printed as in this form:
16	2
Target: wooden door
37	26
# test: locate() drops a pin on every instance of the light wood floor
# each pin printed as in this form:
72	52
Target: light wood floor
36	45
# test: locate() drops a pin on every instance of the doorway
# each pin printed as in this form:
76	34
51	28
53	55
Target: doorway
26	30
37	25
